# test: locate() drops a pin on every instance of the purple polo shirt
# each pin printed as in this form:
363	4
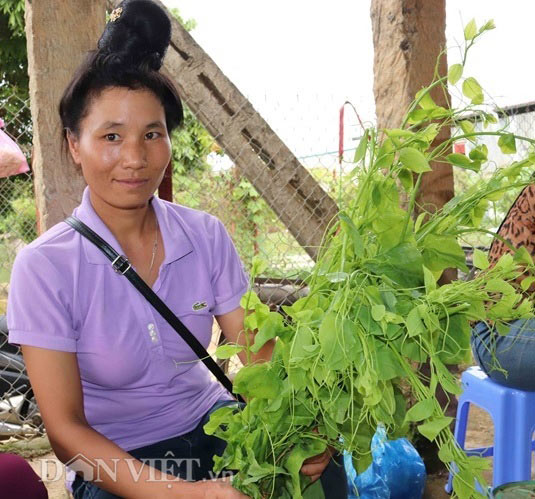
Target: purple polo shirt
141	382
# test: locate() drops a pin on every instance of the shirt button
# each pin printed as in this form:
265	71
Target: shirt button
150	327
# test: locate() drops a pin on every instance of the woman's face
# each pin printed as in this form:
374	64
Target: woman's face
122	147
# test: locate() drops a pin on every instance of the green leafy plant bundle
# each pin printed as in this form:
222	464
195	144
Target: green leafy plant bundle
347	355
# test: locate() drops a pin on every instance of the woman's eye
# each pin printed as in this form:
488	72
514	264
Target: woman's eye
152	135
111	137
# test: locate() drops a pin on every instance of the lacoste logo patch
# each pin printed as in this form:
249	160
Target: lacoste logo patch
199	305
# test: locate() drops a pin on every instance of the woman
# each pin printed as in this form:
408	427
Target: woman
115	384
510	359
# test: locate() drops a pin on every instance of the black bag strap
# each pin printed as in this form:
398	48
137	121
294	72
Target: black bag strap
121	265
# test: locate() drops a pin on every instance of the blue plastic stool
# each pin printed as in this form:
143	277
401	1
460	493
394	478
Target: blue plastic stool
513	415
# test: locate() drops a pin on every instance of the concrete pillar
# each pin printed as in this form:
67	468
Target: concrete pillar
58	33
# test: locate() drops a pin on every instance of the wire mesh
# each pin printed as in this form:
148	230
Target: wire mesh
18	412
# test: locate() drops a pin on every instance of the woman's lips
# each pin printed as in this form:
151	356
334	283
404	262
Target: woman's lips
132	182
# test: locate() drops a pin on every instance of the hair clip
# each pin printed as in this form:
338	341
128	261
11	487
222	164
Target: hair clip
116	14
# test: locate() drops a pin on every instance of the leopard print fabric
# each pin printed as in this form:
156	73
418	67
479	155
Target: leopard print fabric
518	227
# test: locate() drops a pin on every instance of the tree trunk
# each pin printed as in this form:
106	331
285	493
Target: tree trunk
408	37
58	36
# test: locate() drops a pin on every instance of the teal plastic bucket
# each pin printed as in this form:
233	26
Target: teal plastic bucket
515	490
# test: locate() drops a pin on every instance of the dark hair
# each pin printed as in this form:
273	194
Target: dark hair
130	53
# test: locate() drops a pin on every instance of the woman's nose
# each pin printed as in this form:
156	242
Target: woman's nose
133	154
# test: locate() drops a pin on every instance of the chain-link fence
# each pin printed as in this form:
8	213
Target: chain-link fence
18	412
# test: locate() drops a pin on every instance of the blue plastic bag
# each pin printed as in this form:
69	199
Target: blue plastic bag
397	471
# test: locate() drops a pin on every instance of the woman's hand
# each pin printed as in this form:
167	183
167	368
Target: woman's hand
314	466
218	489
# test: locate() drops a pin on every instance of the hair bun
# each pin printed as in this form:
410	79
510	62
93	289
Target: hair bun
138	34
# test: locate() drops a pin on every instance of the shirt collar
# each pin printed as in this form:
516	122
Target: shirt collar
176	242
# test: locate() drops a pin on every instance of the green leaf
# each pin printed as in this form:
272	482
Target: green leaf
340	406
479	463
502	328
412	350
445	453
336	340
428	134
418	115
522	255
249	300
337	276
351	230
429	280
470	30
302	339
480	259
479	153
217	418
507	143
504	308
389	227
306	448
441	252
396	133
378	312
463	161
258	266
432	428
228	351
259	381
361	148
467	127
454	73
414	160
499	286
525	309
406	179
421	410
388	366
402	264
445	378
454	346
463	484
527	282
419	221
314	491
364	316
268	328
487	26
385	155
414	323
426	101
473	90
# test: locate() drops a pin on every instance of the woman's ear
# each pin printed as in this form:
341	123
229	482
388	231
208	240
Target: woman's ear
74	146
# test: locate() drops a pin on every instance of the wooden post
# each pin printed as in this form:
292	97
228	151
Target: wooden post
58	35
408	37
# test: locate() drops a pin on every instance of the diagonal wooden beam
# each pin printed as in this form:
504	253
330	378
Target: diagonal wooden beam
288	188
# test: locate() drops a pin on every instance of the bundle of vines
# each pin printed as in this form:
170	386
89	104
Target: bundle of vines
348	353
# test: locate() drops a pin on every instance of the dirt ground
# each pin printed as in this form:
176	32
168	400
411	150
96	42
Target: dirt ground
479	434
